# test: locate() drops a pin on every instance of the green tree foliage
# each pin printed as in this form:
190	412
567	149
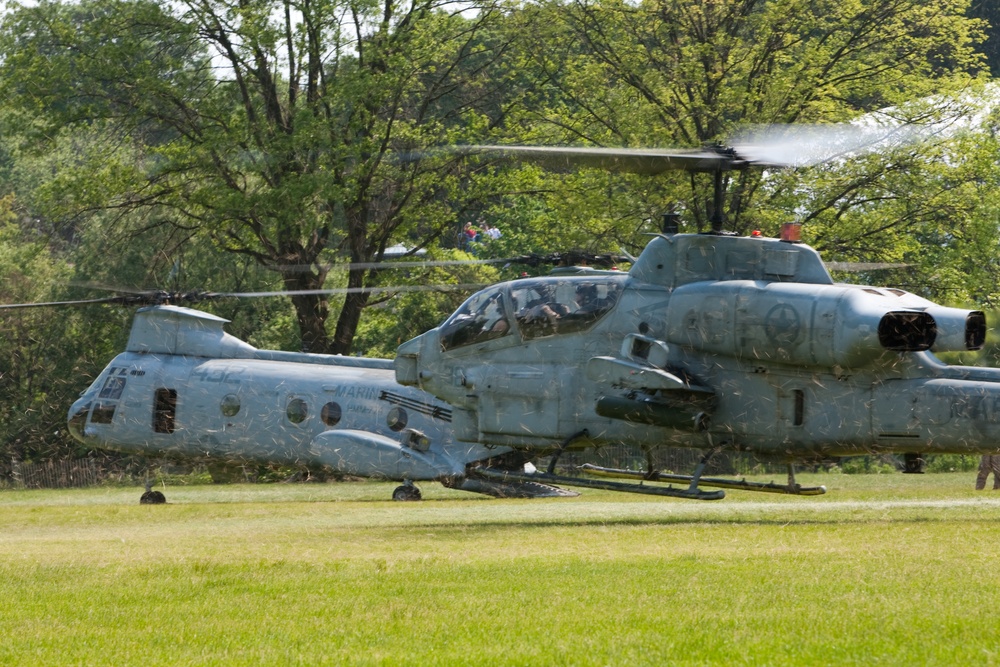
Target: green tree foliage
677	73
268	127
933	210
38	359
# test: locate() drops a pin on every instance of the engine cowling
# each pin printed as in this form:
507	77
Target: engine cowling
815	325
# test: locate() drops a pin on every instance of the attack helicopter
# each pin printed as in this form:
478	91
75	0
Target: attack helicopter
711	341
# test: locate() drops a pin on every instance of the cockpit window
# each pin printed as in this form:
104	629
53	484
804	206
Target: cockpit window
113	387
542	307
483	317
548	307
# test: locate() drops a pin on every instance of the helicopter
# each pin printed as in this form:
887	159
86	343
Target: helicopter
710	341
184	387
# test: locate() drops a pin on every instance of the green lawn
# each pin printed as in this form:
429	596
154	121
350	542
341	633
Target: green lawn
884	569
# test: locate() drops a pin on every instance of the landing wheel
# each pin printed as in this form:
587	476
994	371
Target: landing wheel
152	498
913	464
406	492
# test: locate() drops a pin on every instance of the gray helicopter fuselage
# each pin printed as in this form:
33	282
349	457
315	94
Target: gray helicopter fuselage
710	341
185	387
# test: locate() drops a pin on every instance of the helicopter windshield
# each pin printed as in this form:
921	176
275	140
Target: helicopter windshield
481	318
541	307
547	307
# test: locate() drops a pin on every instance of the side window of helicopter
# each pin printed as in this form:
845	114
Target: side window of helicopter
550	307
164	410
483	317
230	405
539	307
297	411
114	385
331	413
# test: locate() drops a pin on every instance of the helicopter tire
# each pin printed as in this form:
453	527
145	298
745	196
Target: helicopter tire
152	498
406	492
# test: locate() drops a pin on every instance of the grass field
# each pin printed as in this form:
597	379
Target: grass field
884	569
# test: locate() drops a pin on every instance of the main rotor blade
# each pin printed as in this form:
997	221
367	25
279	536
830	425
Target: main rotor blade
152	297
175	298
859	267
632	160
766	146
353	290
79	302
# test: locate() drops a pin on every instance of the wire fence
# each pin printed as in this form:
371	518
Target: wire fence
72	473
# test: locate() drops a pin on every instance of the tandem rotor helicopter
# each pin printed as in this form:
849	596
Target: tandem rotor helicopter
710	341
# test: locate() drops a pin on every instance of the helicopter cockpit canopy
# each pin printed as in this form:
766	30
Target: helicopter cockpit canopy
532	308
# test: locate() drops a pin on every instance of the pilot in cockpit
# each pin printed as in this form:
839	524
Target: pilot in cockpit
544	311
587	299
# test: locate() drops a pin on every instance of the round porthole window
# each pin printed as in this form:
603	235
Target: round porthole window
396	419
331	413
297	411
230	405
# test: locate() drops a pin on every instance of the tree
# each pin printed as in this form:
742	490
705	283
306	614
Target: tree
269	126
681	73
38	361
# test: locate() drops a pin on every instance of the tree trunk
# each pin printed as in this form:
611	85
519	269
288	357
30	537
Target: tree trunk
311	310
350	315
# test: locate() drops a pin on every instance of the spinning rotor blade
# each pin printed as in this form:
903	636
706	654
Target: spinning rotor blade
809	145
766	147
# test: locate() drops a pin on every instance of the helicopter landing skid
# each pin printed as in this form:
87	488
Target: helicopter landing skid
589	483
738	484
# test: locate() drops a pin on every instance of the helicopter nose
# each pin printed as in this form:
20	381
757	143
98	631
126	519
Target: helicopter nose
78	419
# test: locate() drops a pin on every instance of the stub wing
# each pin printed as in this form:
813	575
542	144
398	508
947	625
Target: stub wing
656	396
641	377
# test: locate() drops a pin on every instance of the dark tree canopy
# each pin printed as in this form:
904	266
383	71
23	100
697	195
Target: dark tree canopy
989	11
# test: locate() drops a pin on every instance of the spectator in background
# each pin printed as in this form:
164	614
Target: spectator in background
988	464
469	235
490	231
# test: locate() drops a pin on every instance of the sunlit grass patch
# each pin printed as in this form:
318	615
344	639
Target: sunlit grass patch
889	572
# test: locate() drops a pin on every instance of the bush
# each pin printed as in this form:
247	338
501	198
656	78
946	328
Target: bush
951	463
866	465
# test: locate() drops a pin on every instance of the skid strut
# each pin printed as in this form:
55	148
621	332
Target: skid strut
791	488
690	493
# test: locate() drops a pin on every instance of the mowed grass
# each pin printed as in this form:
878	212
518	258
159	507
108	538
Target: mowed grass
884	569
